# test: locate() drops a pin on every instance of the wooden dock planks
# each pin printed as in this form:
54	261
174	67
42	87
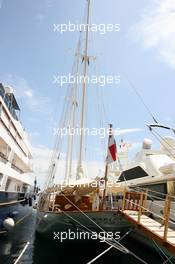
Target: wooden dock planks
152	229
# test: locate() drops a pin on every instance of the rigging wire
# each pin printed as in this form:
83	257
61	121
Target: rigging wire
164	140
117	245
149	112
97	224
89	218
63	124
109	248
140	98
166	261
99	99
161	251
158	137
163	194
57	145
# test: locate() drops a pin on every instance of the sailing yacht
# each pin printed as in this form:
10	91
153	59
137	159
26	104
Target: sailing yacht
82	203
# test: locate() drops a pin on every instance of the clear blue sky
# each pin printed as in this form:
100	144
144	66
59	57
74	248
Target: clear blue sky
31	53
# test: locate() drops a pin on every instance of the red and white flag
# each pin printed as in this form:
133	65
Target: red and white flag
112	149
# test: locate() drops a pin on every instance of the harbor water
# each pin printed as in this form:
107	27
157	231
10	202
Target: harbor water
22	245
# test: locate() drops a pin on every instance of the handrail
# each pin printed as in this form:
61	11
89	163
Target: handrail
3	156
12	202
166	216
149	190
140	206
150	195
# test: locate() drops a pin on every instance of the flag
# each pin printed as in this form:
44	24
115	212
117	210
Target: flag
122	144
112	149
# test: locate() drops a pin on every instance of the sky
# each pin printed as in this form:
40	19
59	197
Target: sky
143	52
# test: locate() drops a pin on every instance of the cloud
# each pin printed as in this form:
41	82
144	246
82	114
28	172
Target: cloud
40	163
29	93
136	145
50	3
120	132
156	29
23	91
19	85
39	18
1	2
34	134
41	160
41	156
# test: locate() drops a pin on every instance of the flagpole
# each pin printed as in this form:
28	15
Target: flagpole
104	191
106	170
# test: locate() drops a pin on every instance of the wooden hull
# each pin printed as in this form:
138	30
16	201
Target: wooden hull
50	222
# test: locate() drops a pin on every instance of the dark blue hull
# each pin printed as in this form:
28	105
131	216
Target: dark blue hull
15	206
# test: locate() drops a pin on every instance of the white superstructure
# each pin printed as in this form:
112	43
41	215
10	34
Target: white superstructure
15	153
150	167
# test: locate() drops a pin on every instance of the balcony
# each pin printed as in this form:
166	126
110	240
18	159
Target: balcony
10	102
3	158
17	169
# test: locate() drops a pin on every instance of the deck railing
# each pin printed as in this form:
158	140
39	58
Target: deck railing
142	203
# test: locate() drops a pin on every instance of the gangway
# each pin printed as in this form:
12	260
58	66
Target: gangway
136	210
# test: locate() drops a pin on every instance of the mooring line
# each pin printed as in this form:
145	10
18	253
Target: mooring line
27	244
22	252
109	248
3	232
22	218
101	254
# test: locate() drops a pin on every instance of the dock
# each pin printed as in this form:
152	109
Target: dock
134	209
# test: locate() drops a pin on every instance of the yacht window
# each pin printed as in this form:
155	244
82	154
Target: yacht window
1	176
134	173
24	188
7	184
18	188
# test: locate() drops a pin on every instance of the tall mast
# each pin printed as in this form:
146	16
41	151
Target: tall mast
82	118
67	154
68	170
74	106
